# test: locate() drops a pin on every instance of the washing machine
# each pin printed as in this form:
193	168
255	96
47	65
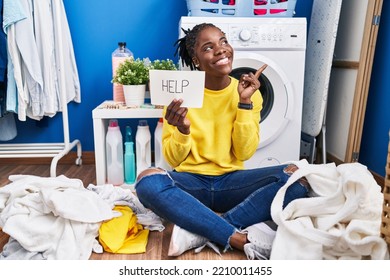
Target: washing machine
280	43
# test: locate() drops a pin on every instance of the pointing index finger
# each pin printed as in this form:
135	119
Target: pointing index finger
260	70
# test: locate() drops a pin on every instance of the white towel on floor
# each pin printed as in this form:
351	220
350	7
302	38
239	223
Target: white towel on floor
340	221
55	216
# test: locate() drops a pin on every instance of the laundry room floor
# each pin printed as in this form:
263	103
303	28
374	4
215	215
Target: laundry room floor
158	242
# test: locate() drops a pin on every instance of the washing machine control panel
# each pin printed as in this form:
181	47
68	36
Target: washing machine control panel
245	35
266	36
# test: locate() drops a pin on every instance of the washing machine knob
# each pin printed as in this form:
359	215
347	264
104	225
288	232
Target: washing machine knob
245	35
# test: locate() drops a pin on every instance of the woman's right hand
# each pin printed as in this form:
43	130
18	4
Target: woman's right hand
176	116
248	84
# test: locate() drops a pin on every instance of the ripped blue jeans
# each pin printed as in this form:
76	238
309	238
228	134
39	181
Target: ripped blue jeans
216	206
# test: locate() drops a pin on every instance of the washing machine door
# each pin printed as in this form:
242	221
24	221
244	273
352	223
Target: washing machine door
276	92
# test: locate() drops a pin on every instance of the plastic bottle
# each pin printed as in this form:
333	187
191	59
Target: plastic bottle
118	56
159	160
114	154
143	146
129	163
129	134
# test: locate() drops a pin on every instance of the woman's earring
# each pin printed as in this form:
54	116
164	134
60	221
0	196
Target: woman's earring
196	63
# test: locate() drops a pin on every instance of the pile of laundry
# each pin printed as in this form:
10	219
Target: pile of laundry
58	218
340	220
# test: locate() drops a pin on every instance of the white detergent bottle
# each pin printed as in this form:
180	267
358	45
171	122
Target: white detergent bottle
114	154
143	146
159	160
118	56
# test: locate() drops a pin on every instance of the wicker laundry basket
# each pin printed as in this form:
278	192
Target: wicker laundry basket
385	228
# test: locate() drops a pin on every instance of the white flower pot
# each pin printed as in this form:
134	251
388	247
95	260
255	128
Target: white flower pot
134	94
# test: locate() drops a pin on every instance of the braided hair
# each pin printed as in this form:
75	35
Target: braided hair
185	46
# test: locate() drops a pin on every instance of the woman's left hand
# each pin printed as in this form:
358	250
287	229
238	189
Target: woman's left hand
248	84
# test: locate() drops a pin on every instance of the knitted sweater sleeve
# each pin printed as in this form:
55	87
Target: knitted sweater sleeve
245	136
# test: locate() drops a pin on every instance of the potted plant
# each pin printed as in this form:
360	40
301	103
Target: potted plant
133	74
165	64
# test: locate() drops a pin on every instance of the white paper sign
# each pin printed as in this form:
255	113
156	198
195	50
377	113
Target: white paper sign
166	85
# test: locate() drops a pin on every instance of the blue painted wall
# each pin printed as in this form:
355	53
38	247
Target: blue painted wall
375	140
150	28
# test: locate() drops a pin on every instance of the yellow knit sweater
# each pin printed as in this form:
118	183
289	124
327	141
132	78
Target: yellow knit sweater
222	136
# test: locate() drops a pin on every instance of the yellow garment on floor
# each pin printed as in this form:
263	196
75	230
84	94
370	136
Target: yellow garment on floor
123	235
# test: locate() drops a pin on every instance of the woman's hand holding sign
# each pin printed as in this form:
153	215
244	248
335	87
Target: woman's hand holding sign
176	116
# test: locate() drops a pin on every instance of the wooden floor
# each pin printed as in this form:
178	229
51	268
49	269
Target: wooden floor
158	242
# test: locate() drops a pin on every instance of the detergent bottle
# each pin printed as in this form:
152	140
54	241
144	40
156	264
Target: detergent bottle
143	146
129	163
114	154
159	160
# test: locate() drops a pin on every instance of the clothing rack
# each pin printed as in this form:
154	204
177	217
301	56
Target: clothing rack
44	150
55	150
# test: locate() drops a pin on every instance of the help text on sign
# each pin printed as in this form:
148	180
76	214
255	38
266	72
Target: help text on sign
174	86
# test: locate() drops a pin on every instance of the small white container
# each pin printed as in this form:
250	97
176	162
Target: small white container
114	154
143	146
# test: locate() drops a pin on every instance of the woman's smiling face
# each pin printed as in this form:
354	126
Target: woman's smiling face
213	53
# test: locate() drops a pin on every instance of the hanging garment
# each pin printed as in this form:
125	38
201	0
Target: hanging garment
12	13
41	52
44	38
341	219
18	25
27	68
65	61
123	234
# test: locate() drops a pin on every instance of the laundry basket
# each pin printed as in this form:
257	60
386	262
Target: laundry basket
241	8
385	228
